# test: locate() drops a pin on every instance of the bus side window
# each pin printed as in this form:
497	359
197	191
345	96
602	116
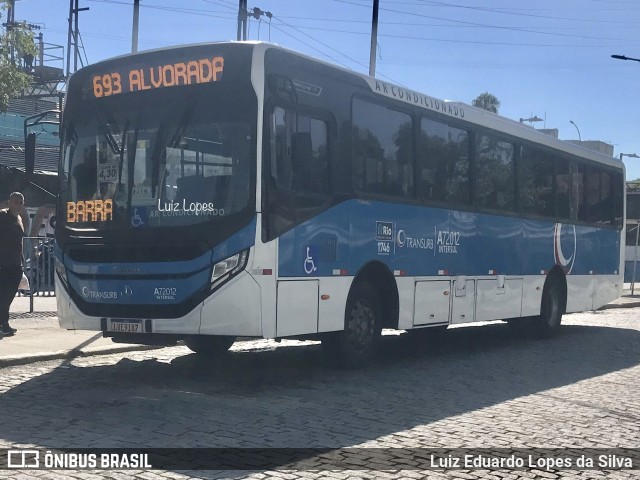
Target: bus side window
578	200
563	189
495	175
443	162
617	194
382	150
535	182
598	204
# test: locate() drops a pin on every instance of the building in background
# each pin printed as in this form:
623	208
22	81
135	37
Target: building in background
596	145
28	114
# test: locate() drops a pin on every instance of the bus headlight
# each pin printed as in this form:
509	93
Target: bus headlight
228	268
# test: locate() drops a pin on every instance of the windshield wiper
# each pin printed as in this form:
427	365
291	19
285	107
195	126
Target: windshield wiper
121	151
131	160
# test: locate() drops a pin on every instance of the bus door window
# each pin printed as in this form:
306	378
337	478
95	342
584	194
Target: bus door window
299	165
495	173
299	161
382	150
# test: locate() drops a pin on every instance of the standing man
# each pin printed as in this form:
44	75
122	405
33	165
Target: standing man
11	232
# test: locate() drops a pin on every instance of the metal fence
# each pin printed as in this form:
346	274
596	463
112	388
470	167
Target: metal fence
39	267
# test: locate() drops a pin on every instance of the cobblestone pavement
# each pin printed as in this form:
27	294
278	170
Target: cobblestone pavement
477	387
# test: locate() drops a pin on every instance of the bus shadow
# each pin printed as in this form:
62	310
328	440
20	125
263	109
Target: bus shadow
287	397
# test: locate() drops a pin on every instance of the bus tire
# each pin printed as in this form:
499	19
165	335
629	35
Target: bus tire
208	345
548	323
355	345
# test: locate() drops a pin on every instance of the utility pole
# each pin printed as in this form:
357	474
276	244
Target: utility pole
74	34
242	20
10	23
136	18
374	40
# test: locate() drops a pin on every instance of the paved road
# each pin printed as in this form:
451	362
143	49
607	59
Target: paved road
479	387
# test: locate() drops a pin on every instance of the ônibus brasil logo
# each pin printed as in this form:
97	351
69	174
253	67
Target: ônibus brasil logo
569	241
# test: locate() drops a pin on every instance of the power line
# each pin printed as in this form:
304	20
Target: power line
484	25
504	11
195	11
447	25
327	46
449	40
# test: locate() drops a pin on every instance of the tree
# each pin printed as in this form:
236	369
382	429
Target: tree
17	38
486	101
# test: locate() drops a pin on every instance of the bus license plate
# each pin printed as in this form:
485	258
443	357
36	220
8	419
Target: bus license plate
125	326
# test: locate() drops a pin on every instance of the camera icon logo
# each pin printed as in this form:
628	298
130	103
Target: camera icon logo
23	459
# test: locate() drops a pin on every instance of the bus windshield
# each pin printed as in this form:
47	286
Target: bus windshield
157	160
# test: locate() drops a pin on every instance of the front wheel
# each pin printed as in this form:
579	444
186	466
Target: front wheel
209	346
355	345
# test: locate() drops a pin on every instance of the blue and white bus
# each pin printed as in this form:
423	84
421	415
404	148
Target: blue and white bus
228	190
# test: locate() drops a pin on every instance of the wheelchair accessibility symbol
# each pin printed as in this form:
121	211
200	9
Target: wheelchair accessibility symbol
137	219
309	262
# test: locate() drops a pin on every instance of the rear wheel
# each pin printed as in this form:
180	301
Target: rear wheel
209	346
551	312
355	345
552	307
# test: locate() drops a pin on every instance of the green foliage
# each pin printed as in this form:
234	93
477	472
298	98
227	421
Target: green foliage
487	101
13	79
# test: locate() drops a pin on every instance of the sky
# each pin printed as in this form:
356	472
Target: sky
549	59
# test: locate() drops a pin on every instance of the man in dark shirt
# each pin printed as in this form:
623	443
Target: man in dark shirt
11	232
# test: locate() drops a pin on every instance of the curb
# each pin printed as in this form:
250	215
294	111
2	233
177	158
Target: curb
70	354
620	305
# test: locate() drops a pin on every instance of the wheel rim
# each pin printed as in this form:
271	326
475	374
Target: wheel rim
362	325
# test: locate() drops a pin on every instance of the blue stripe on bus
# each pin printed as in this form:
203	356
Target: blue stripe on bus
421	241
192	275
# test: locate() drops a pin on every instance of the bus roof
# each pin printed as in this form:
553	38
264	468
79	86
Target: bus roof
453	109
466	112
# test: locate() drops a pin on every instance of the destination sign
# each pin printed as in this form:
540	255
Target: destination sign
150	77
90	211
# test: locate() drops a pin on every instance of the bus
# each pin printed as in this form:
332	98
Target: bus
239	189
631	269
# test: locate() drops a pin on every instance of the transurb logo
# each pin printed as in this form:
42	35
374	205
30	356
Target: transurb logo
564	246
